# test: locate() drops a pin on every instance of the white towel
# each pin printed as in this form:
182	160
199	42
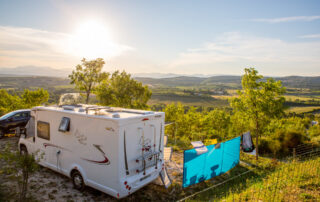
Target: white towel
199	147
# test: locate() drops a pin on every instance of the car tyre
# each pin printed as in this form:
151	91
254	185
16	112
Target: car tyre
23	150
1	134
77	180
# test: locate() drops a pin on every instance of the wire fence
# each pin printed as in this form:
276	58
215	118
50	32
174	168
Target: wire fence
294	179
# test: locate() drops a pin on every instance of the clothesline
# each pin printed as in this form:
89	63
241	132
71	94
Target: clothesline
206	189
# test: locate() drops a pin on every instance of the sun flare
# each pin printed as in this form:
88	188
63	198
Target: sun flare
92	39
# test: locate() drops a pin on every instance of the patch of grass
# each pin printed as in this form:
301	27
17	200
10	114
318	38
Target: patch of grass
299	110
288	182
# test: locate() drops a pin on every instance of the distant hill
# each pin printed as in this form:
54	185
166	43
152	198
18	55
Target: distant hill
34	71
300	81
21	81
235	81
167	75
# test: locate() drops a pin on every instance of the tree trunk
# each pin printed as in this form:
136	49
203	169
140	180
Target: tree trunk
87	99
257	139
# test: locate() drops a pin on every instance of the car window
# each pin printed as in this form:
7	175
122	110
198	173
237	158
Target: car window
7	115
17	115
25	115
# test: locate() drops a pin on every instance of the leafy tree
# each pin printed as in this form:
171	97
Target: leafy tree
28	99
88	75
173	113
9	102
34	98
123	91
259	101
216	123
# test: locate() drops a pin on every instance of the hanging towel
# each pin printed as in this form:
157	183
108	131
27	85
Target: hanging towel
199	147
247	144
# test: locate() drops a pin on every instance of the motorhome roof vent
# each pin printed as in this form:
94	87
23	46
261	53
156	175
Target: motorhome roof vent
115	115
70	108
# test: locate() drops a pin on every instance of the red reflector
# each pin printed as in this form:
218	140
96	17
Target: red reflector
125	182
137	161
129	188
145	119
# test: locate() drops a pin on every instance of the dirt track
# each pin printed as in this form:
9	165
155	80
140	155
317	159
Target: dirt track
47	185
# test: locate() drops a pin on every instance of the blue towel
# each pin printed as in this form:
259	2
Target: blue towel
216	161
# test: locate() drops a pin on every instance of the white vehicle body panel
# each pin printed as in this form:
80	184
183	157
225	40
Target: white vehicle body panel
106	151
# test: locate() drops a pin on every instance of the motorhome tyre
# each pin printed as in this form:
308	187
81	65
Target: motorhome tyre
77	180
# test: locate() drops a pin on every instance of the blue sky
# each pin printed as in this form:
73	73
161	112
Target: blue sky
187	37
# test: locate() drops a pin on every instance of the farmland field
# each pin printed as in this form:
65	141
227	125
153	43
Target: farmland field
211	92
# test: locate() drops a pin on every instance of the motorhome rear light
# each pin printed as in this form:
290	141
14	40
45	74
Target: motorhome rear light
129	188
118	195
145	119
142	149
125	183
137	171
137	161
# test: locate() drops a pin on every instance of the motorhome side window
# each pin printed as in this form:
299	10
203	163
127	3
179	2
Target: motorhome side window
64	124
43	130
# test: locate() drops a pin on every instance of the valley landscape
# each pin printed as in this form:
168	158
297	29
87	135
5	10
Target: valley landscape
160	100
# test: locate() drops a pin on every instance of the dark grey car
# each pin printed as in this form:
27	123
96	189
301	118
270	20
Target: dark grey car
12	120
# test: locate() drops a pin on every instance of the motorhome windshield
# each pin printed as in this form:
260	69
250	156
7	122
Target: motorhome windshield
7	115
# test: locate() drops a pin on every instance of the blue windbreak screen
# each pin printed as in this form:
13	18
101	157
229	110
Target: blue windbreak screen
197	168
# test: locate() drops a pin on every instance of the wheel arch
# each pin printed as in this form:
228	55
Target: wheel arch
77	168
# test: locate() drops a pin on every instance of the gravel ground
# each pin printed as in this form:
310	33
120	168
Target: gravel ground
47	185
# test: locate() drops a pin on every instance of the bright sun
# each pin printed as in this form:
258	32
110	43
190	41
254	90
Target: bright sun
92	39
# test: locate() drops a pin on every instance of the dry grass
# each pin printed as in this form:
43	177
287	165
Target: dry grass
299	110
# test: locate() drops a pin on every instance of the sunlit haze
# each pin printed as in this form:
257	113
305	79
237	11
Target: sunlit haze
92	39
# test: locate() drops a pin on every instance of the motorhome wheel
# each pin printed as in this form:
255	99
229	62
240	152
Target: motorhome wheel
77	180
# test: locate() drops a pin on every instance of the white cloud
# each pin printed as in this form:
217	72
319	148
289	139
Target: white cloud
311	36
21	46
288	19
232	52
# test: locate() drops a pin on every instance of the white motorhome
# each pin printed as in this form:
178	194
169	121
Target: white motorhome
114	150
